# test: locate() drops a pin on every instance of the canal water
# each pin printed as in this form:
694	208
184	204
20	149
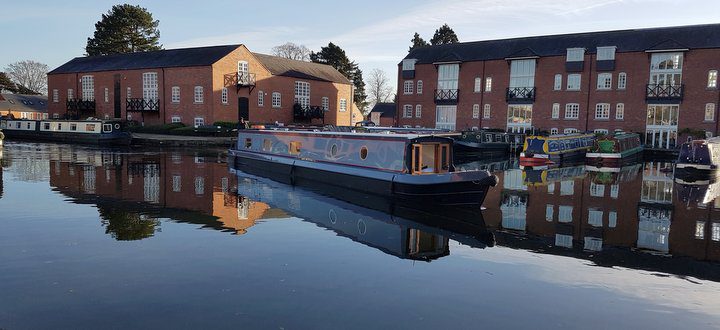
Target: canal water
102	238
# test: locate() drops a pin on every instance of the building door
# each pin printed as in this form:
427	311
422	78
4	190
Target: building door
243	73
116	97
243	108
519	118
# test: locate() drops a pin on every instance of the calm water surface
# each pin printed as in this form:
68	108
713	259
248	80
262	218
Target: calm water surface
97	238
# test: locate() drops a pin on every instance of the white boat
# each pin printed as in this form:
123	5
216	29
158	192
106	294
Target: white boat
94	131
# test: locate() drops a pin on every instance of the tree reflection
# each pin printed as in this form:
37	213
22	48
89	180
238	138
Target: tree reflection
128	226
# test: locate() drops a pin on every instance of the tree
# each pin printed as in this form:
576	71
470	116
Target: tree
335	56
444	35
379	89
417	42
7	84
30	75
124	29
292	51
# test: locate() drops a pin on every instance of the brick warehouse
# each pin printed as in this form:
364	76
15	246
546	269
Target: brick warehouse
660	82
199	86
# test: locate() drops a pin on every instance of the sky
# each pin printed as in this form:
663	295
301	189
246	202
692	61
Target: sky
373	33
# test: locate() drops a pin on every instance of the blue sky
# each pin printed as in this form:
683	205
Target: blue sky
376	34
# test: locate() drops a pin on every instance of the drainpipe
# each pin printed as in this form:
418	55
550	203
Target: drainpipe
482	95
164	114
717	109
587	106
352	99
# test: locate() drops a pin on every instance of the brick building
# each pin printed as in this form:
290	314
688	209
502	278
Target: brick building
383	114
198	86
661	82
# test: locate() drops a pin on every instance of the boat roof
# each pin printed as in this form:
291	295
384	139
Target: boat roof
381	134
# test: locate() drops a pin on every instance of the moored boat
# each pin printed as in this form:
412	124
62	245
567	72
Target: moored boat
486	141
553	149
614	150
2	137
93	131
414	167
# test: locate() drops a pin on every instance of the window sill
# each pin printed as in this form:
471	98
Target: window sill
198	102
571	118
604	90
278	107
619	119
602	119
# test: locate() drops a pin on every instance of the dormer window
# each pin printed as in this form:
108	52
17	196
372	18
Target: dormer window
606	53
409	64
575	54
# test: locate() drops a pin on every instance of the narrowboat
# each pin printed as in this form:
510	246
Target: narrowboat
699	155
103	132
614	150
487	141
553	149
2	137
543	176
414	167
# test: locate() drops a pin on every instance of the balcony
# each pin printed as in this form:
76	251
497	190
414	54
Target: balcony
142	105
447	96
240	79
520	95
80	105
305	114
671	94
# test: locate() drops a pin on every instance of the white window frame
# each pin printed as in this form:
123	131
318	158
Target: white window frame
620	111
558	82
486	111
602	111
572	111
325	103
446	117
606	53
128	93
408	87
710	112
198	121
70	94
55	96
553	131
302	93
712	79
276	100
418	111
343	105
575	55
603	131
261	99
88	87
419	89
150	86
476	111
488	84
622	80
407	111
574	81
224	96
199	96
175	94
175	119
409	64
555	111
570	130
604	81
477	88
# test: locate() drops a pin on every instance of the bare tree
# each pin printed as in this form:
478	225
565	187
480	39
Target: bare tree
292	51
30	74
379	89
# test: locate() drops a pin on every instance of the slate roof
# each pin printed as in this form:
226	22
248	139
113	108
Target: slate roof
280	66
633	40
23	103
387	109
185	57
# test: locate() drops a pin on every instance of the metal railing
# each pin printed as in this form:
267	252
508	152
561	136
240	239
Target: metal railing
307	113
520	94
140	105
80	105
655	92
239	79
447	96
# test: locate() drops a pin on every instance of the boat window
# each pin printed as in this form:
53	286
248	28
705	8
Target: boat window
90	127
248	143
107	128
333	150
428	159
488	138
28	125
444	158
59	126
363	152
47	126
416	158
73	127
295	147
17	125
267	145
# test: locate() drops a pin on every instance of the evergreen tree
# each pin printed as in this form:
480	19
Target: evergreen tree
124	29
26	91
444	35
335	56
7	84
417	42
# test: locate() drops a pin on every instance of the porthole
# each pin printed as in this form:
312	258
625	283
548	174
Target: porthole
117	126
332	216
363	152
333	150
362	227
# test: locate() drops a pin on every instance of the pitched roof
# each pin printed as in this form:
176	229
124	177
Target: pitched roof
280	66
184	57
387	109
23	103
633	40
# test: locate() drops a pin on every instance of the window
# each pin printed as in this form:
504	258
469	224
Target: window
478	85
343	105
573	82
476	111
606	53
712	79
107	95
267	145
55	96
261	99
445	116
408	87
602	131
325	103
488	84
175	95
409	64
175	119
575	54
486	111
553	131
710	112
176	183
602	111
699	230
418	111
276	100
419	86
570	130
522	73
620	111
556	111
622	80
558	82
129	93
199	98
295	147
604	81
595	218
666	69
199	121
572	111
150	86
614	191
88	87
70	94
224	96
565	213
549	212
407	111
715	232
302	93
199	185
